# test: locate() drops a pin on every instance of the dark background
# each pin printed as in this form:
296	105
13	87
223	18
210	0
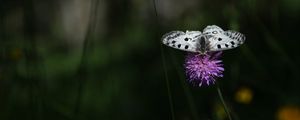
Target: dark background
103	59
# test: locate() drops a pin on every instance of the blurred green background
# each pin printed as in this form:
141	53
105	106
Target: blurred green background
103	59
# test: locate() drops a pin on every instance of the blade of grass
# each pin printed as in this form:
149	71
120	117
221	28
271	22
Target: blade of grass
223	101
187	91
164	67
82	70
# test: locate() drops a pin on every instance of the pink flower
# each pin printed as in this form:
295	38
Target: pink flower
203	69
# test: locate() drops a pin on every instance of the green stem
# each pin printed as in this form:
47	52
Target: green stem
223	102
165	68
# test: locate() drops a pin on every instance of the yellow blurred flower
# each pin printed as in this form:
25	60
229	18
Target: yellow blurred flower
219	111
288	113
244	95
16	54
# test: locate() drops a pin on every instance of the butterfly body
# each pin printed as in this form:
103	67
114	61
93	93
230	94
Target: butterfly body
213	38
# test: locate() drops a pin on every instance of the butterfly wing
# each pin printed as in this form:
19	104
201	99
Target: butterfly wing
216	39
222	40
212	30
226	40
186	41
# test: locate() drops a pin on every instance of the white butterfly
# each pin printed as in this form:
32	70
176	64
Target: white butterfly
213	38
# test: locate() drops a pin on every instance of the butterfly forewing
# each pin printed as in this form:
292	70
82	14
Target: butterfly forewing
237	36
187	41
212	30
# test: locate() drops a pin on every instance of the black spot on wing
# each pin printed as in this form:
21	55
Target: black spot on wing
179	45
219	39
238	36
232	42
219	46
186	47
186	39
235	34
226	45
226	33
230	36
172	35
173	41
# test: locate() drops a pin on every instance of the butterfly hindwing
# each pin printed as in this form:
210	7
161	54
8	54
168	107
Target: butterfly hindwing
186	41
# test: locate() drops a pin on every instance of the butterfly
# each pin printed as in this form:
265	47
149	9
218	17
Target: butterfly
213	38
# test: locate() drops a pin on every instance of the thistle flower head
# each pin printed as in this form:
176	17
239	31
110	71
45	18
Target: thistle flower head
203	69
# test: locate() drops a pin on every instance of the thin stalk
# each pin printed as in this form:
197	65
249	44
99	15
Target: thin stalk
168	85
223	102
82	73
189	97
165	68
